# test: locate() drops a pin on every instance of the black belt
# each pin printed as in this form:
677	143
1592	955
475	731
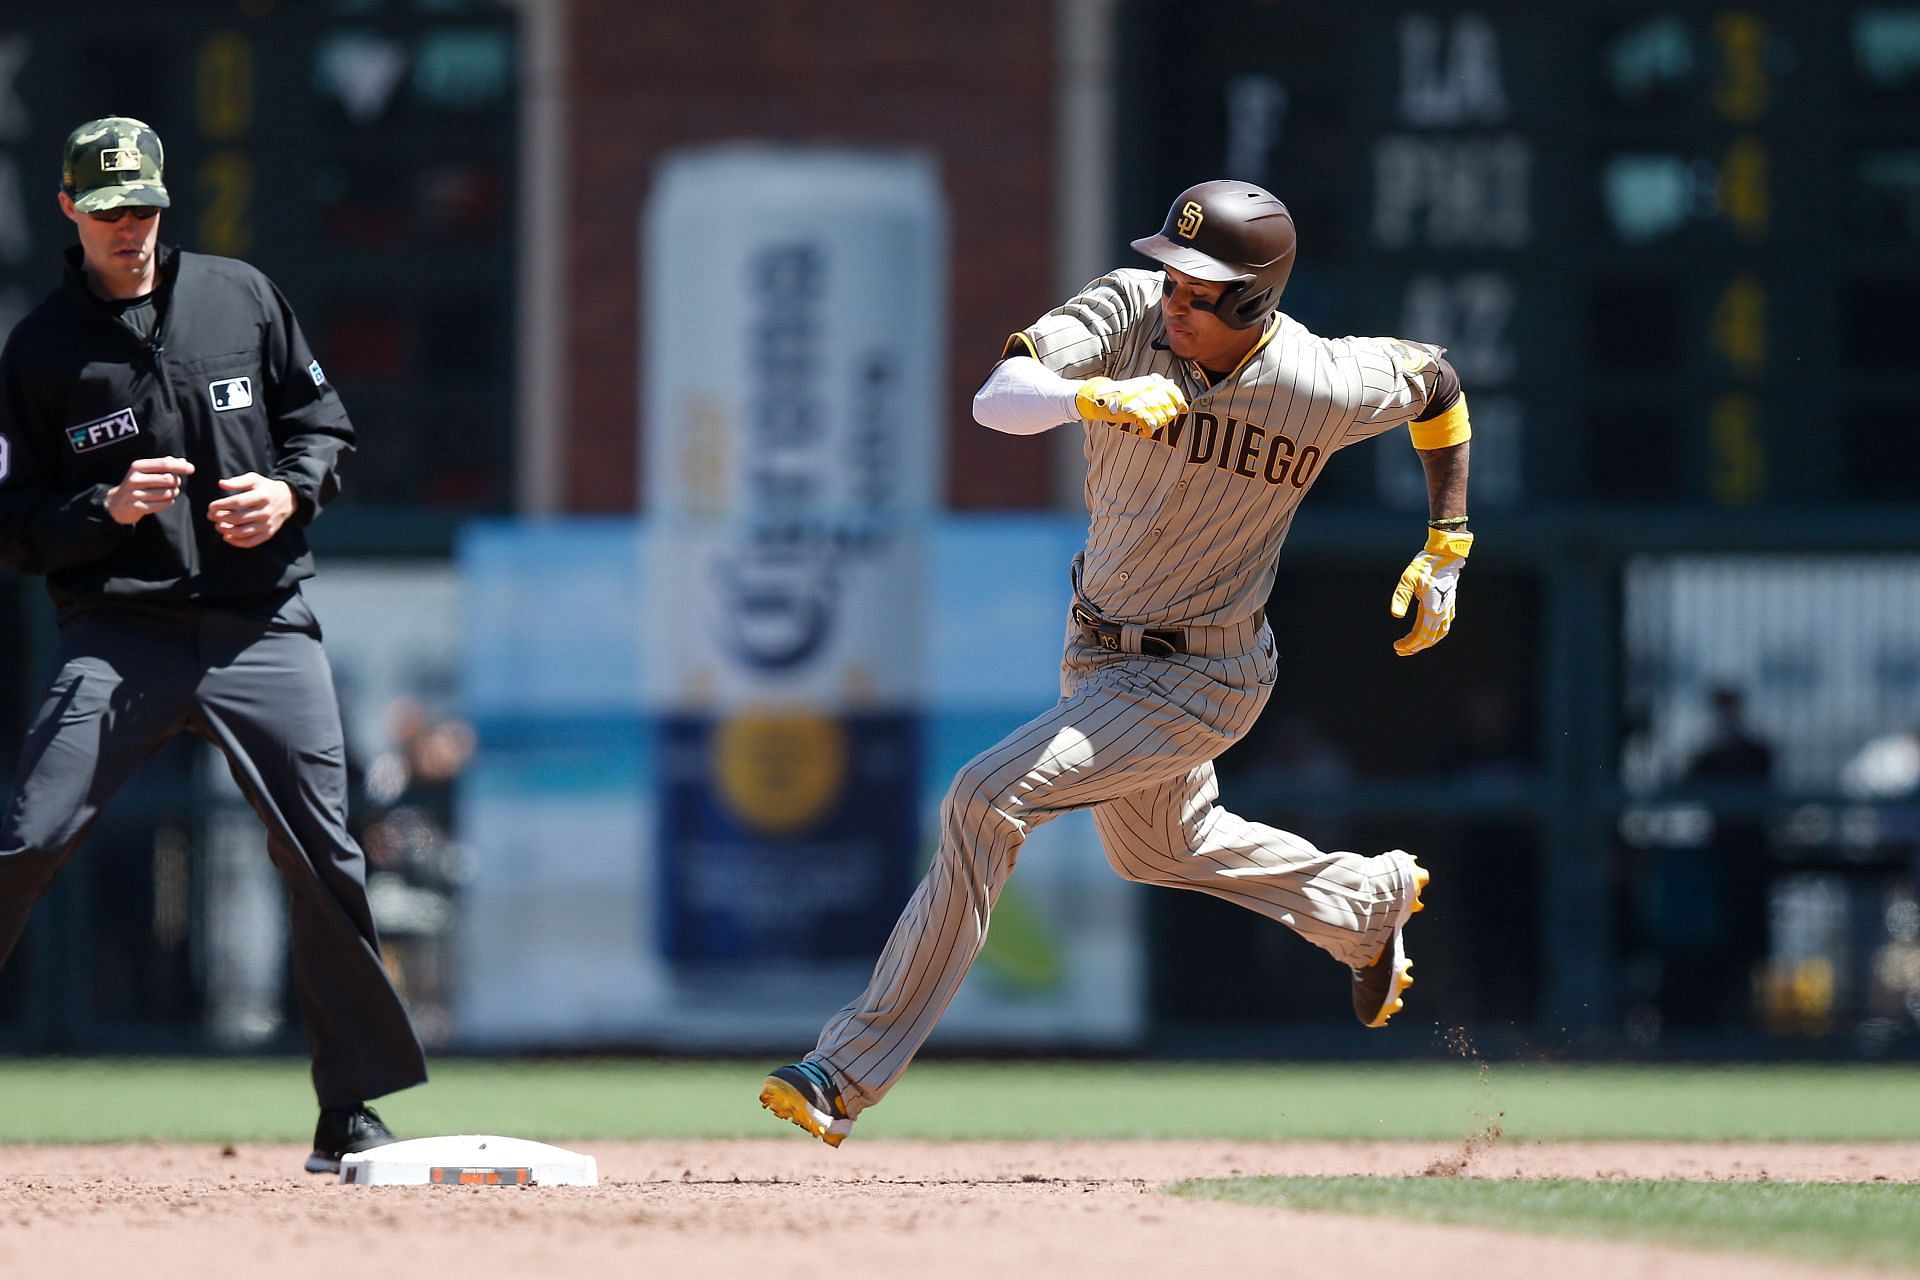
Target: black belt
1156	642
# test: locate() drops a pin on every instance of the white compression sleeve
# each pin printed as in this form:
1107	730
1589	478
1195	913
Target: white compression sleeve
1023	397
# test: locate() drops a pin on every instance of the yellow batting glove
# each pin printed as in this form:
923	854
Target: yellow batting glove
1433	578
1138	405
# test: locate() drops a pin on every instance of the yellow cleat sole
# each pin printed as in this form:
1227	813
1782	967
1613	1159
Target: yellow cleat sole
1402	979
1403	970
779	1097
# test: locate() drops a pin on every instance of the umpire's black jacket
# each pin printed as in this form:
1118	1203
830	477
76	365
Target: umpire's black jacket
226	382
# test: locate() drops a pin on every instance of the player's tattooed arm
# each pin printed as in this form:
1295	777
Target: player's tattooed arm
1441	436
1446	482
1432	578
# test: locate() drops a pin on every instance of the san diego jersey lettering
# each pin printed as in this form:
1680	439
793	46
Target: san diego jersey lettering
1185	526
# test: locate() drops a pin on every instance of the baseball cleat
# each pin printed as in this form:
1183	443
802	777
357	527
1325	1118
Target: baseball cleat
1378	988
342	1131
804	1094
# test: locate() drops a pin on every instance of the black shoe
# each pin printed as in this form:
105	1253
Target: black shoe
342	1131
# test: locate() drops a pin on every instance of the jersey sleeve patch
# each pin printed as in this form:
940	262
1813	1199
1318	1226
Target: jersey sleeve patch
318	375
1412	358
6	457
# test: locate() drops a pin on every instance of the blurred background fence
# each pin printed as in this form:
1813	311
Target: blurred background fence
1667	768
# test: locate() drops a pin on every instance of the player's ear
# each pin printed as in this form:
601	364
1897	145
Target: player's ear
66	205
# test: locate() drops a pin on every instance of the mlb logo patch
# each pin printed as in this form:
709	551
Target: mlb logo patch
313	371
231	393
120	159
102	432
6	457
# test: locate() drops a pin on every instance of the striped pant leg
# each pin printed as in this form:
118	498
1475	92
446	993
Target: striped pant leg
1173	833
1117	733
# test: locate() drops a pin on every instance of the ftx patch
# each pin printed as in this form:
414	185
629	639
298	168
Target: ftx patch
102	432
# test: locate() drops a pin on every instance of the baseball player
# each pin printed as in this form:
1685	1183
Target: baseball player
1207	414
165	437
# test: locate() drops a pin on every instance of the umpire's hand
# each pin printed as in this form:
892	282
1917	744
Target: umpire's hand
151	484
253	510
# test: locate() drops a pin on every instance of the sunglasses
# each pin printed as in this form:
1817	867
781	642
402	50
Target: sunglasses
141	211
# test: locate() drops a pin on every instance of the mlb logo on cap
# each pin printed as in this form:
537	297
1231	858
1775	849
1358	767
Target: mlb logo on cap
114	162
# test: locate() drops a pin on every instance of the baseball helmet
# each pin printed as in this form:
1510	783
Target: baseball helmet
1233	233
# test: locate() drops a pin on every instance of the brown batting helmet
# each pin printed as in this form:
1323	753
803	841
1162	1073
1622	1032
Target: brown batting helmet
1233	233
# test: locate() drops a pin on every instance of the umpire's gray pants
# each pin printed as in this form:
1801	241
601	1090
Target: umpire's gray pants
128	678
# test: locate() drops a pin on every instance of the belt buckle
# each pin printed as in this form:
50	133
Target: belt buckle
1103	634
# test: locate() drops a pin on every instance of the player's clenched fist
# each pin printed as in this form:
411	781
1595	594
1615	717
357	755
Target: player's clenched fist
1434	580
150	485
1140	405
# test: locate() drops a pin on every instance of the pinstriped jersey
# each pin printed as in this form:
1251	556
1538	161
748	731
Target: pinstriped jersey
1185	524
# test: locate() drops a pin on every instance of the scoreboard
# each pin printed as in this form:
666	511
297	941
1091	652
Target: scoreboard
1674	249
360	153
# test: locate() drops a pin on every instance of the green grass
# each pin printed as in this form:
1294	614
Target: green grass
105	1100
1826	1222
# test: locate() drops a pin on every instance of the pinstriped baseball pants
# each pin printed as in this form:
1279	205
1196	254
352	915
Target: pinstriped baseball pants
1134	739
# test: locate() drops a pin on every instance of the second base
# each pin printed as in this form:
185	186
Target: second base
470	1160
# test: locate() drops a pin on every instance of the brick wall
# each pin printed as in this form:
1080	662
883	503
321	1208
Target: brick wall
971	82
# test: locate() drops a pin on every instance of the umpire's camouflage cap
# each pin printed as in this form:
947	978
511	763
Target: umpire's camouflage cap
114	161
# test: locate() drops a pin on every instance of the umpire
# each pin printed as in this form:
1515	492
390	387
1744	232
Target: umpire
165	437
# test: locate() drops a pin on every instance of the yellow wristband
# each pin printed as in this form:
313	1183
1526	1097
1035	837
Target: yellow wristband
1450	428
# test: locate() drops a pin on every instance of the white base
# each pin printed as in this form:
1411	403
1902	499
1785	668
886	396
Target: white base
469	1160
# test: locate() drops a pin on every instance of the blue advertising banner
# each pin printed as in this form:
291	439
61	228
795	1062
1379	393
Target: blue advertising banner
793	833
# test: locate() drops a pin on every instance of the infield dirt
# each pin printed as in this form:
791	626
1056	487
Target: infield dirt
792	1208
